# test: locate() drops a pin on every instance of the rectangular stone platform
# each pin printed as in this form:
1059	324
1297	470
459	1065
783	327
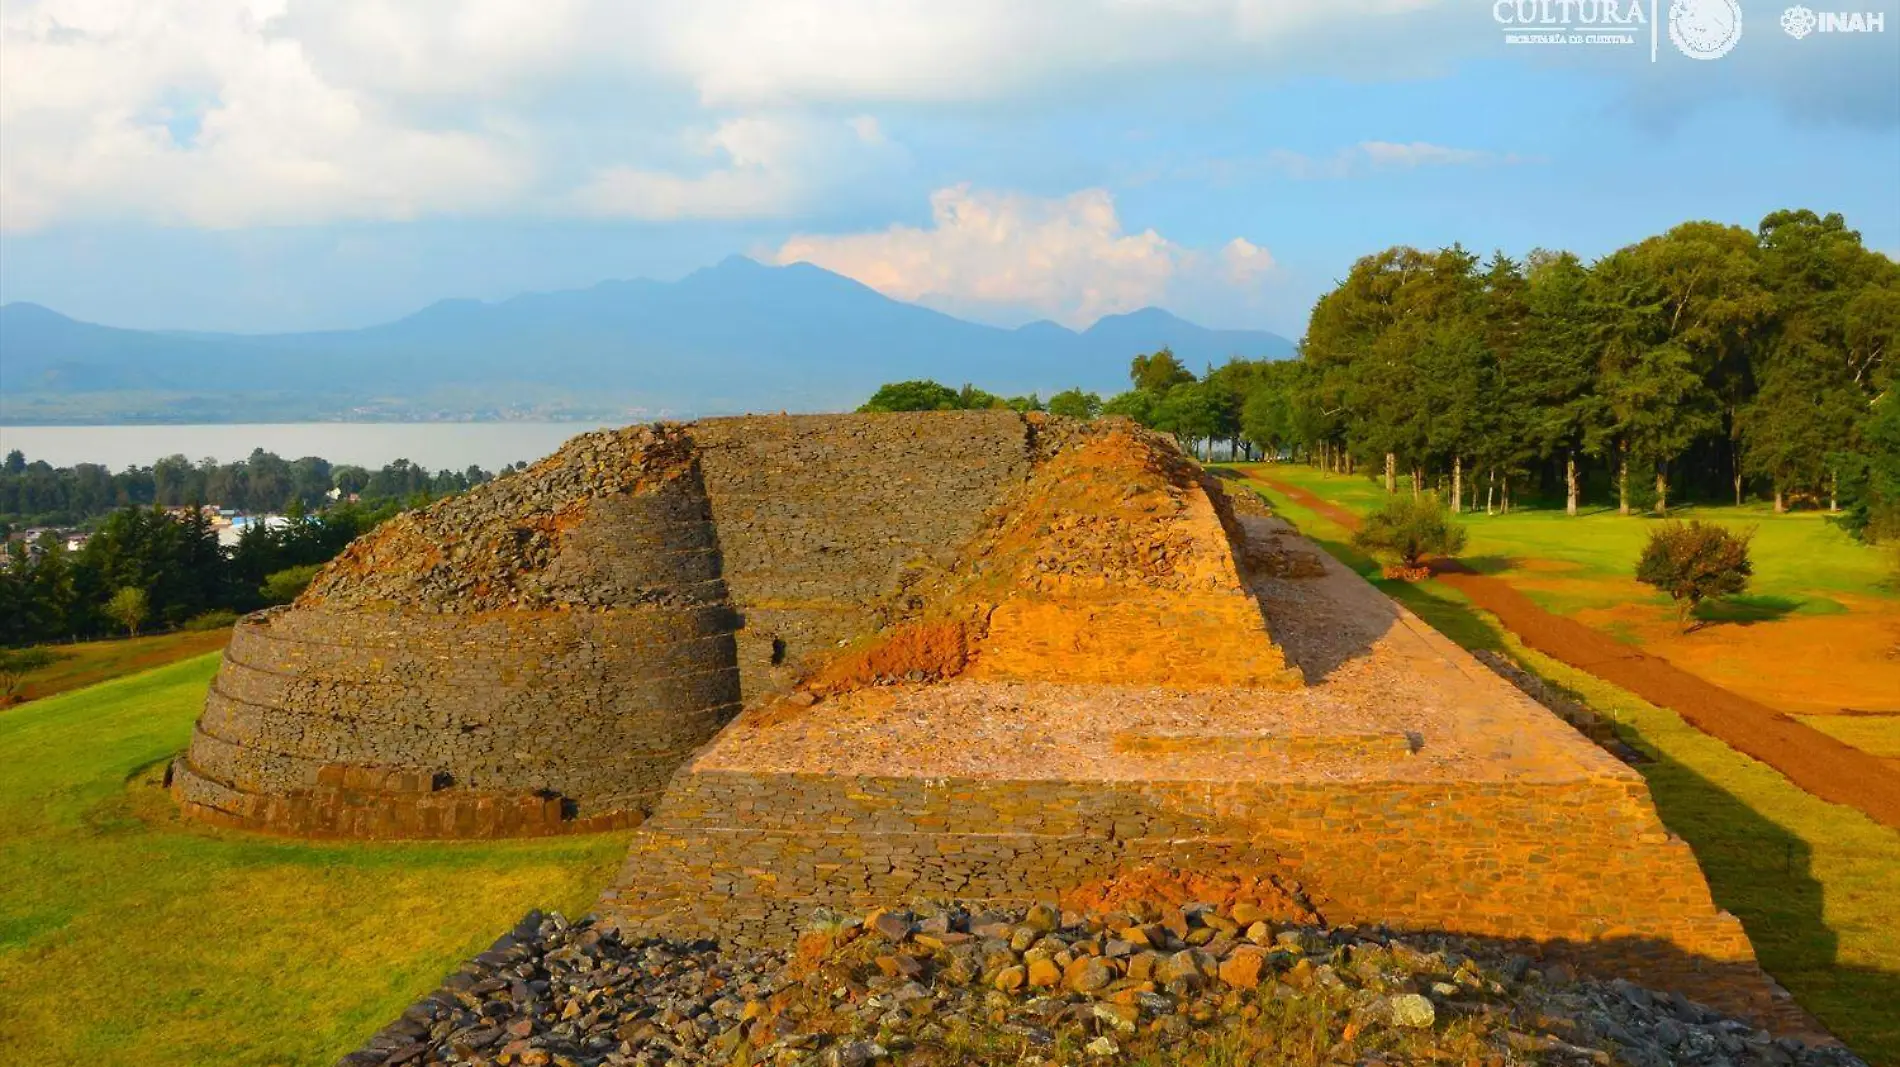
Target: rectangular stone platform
1405	785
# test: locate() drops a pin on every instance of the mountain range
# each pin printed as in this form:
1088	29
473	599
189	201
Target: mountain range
738	336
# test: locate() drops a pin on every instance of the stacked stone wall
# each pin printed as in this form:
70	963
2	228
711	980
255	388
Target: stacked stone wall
826	521
1586	863
552	647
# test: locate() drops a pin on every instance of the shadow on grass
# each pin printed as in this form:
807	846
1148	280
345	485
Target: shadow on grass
1491	564
1746	608
1756	868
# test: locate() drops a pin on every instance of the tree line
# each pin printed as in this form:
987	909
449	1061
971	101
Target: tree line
145	567
1708	362
39	494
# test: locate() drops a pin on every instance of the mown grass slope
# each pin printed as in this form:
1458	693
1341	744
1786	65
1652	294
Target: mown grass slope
130	937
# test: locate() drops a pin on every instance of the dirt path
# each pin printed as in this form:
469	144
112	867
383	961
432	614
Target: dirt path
1829	769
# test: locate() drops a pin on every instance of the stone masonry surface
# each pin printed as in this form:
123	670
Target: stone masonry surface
1406	785
983	657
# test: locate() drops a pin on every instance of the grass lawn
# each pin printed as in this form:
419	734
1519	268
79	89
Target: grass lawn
1815	884
1803	562
129	937
92	662
1815	634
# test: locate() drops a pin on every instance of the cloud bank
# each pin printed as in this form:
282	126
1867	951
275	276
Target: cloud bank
233	113
988	253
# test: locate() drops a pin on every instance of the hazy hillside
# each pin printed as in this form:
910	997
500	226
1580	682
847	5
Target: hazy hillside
737	336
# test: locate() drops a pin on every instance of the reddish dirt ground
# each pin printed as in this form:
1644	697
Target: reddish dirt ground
1825	767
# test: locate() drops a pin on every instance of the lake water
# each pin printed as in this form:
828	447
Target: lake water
433	444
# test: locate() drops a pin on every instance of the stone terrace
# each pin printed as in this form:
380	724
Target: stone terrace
1406	784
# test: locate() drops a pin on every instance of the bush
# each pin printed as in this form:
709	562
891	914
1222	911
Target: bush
16	664
1410	529
1695	561
923	395
211	620
282	587
130	607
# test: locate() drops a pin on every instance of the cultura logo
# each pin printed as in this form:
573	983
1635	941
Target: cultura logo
1798	21
1705	29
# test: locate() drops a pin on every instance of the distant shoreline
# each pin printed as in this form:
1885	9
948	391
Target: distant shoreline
455	445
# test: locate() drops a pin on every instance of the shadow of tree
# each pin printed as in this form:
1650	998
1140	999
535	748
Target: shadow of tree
1746	608
1757	869
1490	564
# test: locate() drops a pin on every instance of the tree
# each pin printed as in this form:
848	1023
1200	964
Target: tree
1555	374
1870	481
1189	412
129	607
970	398
920	395
16	664
1158	372
1075	404
282	587
1693	562
1410	528
1138	405
350	480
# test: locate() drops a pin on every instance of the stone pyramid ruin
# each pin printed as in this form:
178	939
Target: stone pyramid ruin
841	661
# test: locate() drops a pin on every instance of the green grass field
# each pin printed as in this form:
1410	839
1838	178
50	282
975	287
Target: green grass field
1815	884
1802	561
130	937
91	662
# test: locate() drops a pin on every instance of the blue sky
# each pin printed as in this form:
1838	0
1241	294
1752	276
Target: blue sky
291	164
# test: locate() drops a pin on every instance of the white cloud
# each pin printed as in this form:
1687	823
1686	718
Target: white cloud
228	113
195	116
244	112
1368	157
1067	258
1420	154
1244	263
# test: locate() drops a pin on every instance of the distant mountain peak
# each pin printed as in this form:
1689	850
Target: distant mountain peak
735	336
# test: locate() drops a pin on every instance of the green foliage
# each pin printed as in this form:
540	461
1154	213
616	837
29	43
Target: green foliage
1695	561
129	607
1409	529
925	395
17	663
282	587
38	494
1075	404
1870	479
176	560
1136	404
1158	372
216	619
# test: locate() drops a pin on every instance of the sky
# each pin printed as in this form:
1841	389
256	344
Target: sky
265	165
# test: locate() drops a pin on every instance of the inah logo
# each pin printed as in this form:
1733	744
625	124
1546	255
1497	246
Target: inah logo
1705	29
1798	21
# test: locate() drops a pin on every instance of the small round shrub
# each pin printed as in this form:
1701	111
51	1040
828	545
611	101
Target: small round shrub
1409	529
1695	561
219	619
282	587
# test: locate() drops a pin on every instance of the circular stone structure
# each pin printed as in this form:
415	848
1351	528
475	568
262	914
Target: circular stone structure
535	656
